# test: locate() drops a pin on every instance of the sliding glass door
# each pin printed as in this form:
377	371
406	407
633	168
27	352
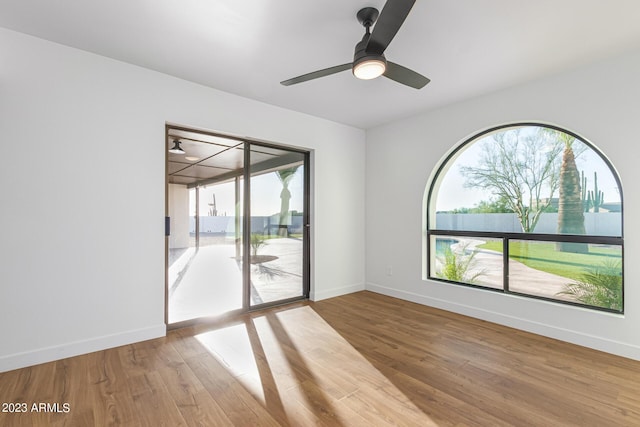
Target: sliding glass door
228	201
278	225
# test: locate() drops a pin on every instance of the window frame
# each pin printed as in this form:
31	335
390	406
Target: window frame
508	236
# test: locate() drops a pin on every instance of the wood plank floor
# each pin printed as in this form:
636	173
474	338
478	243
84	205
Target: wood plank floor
362	359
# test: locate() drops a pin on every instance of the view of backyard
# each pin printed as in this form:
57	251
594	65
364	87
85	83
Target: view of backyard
530	181
209	274
544	256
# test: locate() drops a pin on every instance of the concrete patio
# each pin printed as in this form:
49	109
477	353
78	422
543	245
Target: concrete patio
208	281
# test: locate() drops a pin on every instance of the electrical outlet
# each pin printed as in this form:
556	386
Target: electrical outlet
389	271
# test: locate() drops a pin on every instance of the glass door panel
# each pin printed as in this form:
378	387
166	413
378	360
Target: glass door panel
278	222
208	280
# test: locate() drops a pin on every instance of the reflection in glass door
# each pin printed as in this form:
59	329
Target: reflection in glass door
278	219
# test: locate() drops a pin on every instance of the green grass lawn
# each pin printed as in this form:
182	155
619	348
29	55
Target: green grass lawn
544	256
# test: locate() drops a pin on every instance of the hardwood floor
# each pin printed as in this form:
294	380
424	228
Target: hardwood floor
361	359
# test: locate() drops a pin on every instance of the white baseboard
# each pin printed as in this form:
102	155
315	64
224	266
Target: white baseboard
49	354
597	343
336	292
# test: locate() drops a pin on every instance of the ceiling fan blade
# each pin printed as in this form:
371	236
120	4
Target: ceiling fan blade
405	76
316	74
391	18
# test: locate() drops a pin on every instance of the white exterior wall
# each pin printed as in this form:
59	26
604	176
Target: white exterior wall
87	148
600	102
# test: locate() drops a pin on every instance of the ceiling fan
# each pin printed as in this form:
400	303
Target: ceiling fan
368	60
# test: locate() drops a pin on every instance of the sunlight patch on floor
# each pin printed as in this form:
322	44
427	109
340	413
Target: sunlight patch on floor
232	348
298	365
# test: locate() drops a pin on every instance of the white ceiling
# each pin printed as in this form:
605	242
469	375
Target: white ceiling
466	47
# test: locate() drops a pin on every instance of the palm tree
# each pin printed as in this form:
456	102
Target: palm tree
570	203
285	176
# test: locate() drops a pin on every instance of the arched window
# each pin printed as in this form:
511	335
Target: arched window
528	209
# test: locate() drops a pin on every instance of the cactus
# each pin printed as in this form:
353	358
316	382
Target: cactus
584	195
596	197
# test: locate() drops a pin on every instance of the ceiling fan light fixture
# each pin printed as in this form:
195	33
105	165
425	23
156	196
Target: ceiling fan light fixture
176	149
369	68
368	56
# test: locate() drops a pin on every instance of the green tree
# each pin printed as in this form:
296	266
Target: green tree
521	168
285	176
494	205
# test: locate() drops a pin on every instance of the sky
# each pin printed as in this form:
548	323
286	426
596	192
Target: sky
452	193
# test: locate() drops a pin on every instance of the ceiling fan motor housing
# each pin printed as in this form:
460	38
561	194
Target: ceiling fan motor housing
367	17
361	55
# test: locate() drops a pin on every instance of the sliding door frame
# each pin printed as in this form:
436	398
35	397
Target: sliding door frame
306	227
245	211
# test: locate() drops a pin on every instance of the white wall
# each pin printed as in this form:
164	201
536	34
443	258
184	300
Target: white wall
600	102
85	143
